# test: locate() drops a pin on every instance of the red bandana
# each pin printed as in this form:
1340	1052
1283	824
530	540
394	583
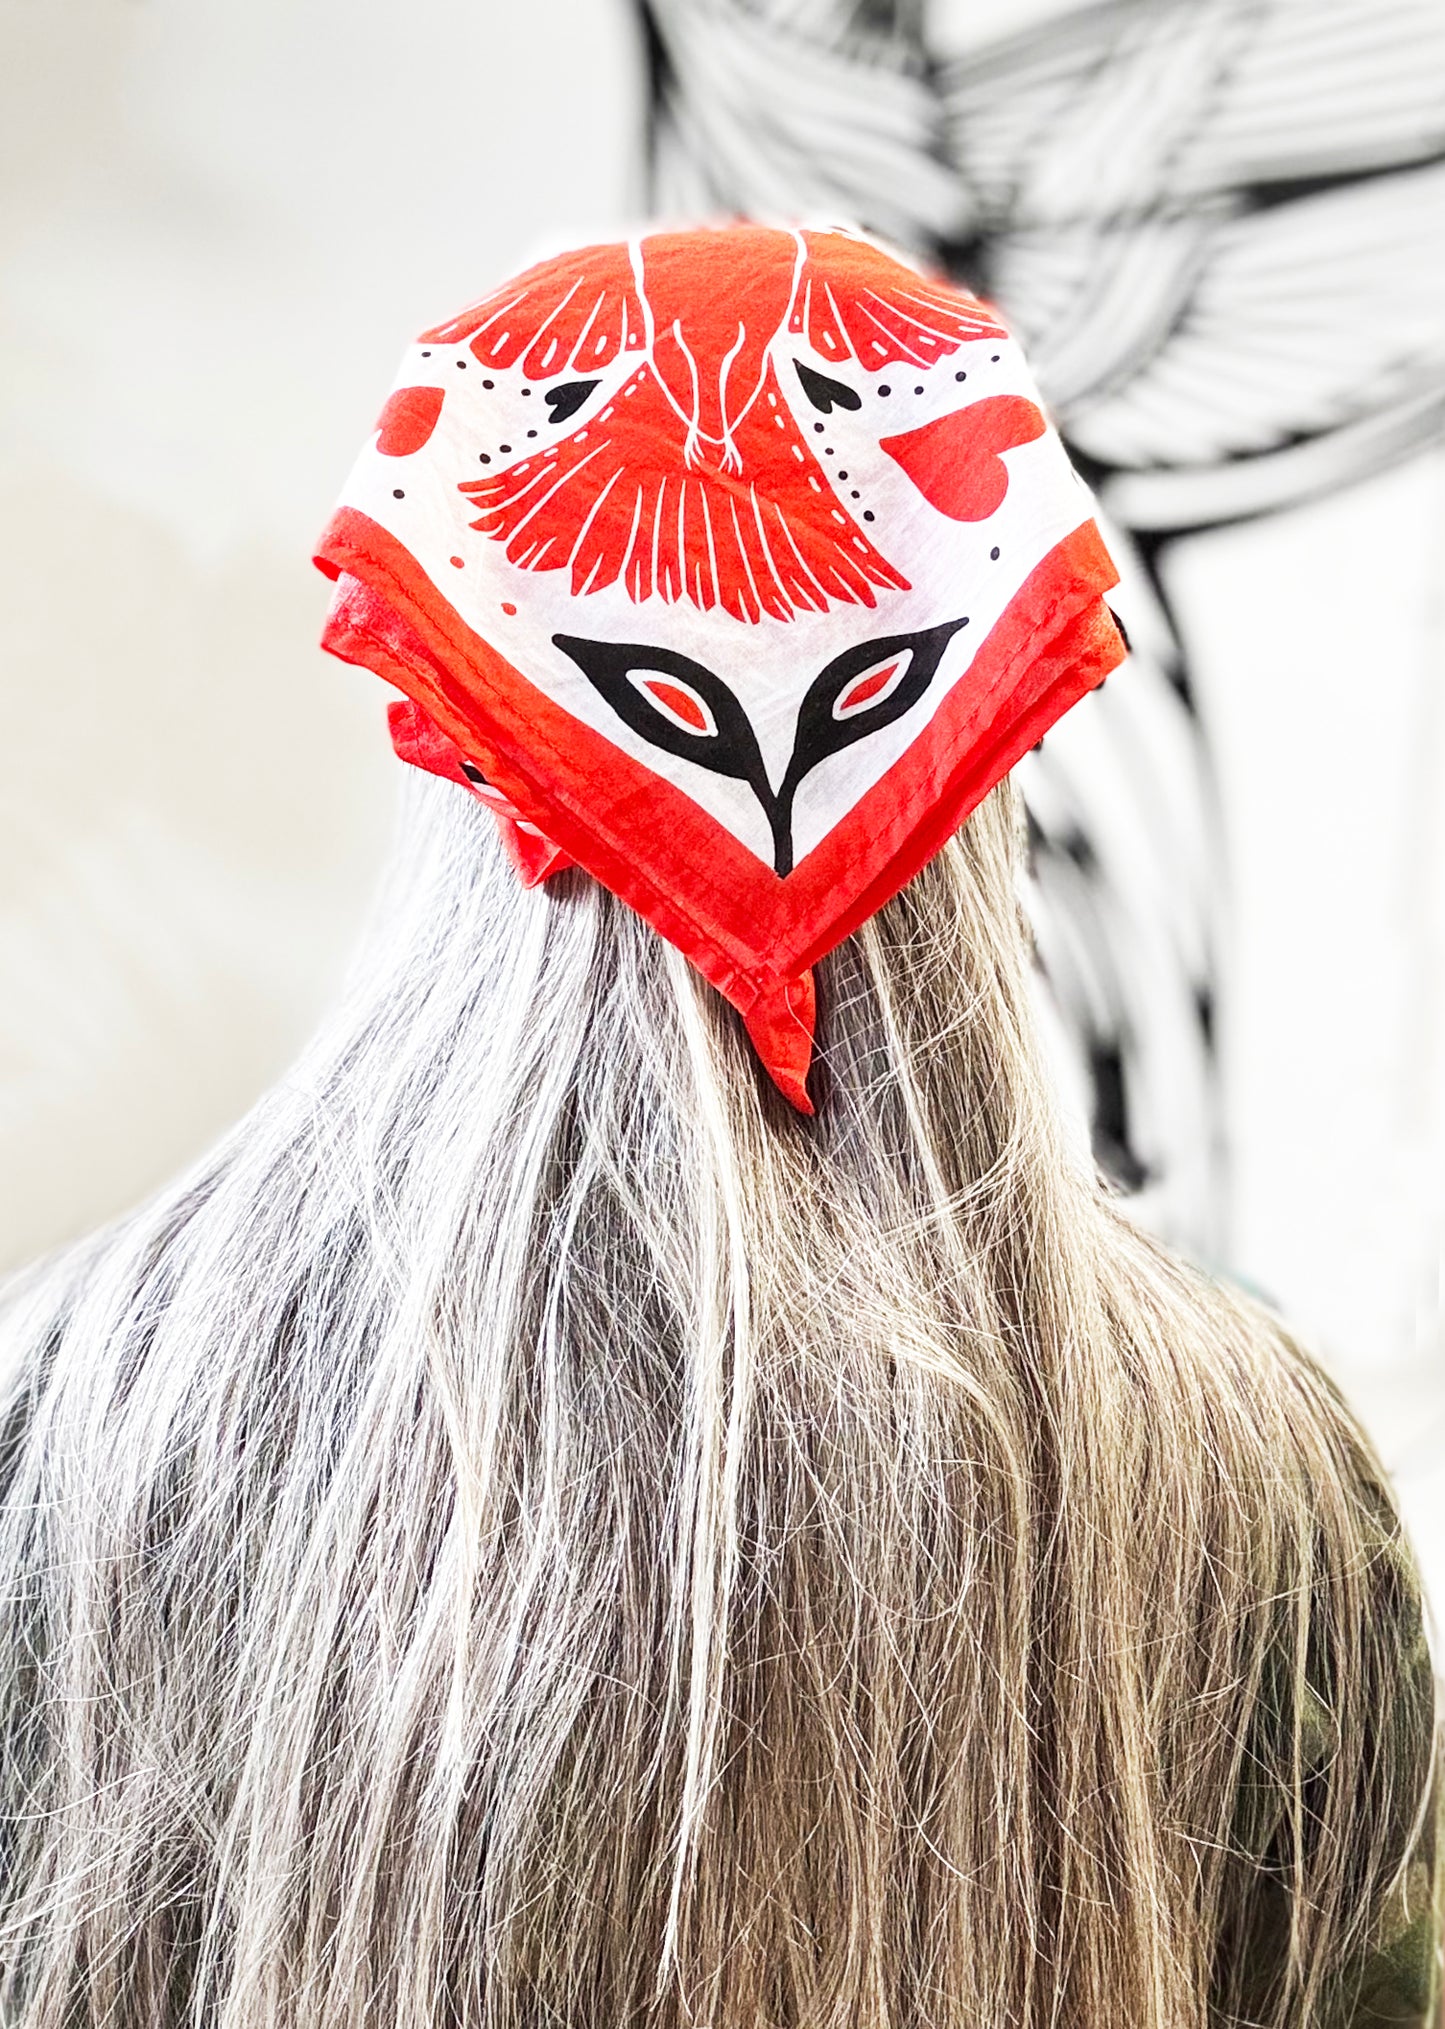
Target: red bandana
735	566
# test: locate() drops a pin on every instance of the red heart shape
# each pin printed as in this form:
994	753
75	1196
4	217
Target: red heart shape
956	461
408	419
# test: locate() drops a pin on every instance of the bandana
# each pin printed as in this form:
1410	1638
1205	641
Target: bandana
735	566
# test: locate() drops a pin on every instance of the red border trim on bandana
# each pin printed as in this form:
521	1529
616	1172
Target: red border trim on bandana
748	930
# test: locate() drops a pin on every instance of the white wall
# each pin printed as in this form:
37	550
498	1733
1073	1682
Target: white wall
218	227
1320	640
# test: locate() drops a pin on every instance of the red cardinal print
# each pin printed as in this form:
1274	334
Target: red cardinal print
693	480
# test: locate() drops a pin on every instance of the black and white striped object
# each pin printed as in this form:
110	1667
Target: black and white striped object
1218	226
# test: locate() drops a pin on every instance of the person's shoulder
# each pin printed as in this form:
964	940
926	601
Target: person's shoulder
1363	1707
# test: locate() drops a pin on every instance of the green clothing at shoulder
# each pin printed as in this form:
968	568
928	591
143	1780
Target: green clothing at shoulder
1398	1979
1394	1977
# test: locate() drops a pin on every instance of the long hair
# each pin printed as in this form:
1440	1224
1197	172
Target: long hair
532	1532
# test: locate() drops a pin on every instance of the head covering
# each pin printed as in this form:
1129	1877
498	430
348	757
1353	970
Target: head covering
735	566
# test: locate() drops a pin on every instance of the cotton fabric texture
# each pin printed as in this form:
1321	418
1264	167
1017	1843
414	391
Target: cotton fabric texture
735	566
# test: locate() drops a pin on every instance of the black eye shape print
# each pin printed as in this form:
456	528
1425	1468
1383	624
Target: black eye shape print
686	709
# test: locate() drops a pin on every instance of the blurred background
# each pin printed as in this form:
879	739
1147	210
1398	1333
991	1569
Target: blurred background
1220	231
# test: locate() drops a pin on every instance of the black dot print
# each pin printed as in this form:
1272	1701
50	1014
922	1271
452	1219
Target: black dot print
827	450
531	433
819	428
842	475
504	447
397	493
855	494
885	389
960	376
486	457
462	364
867	514
918	390
489	383
994	554
426	355
995	361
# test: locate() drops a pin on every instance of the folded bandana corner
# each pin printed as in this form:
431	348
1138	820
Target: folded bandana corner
734	566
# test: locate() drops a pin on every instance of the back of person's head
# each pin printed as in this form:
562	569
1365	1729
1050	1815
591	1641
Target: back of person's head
536	1530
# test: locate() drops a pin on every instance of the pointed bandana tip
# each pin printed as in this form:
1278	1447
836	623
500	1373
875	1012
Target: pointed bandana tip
780	1023
733	566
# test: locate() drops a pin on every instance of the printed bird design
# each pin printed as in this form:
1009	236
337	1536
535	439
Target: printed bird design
687	475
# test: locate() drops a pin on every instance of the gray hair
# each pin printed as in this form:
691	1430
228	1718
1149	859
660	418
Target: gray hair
531	1531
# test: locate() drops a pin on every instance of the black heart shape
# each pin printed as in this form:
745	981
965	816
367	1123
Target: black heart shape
824	393
567	397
